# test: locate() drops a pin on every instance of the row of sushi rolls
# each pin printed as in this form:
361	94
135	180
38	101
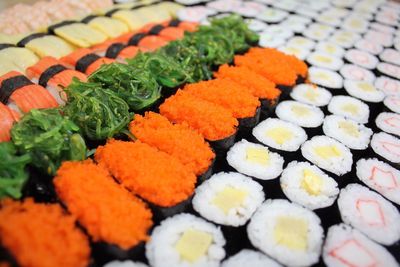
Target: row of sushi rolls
200	133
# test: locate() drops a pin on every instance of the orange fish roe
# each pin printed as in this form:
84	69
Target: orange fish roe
107	210
42	235
212	121
255	83
228	94
152	174
177	140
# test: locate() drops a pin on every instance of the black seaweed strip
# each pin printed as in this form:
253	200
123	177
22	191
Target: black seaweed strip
49	73
52	28
84	62
29	38
135	39
156	29
114	49
9	85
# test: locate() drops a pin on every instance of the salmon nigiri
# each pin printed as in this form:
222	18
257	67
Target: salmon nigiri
7	119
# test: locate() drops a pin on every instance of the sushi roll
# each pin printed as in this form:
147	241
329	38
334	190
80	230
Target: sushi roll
7	119
228	198
300	53
167	32
110	27
249	257
280	134
272	15
389	122
147	42
324	60
382	28
370	213
49	228
345	39
286	232
21	95
301	114
381	38
316	34
389	70
126	263
330	48
355	73
386	146
311	94
388	85
355	24
349	107
390	56
224	6
278	31
329	20
392	103
350	133
361	58
269	41
256	25
302	42
325	78
255	160
367	46
47	45
16	59
346	246
295	23
185	240
380	177
328	154
306	185
85	61
364	91
195	13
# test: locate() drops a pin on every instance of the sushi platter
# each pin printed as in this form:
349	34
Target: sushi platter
195	133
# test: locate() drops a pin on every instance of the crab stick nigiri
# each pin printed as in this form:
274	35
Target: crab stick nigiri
85	61
7	119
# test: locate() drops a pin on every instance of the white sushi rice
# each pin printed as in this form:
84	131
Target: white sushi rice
203	200
311	94
370	213
389	122
388	85
325	78
387	146
339	163
298	52
125	264
237	158
161	248
346	246
248	257
292	180
344	38
355	73
264	222
324	60
392	103
349	107
299	113
364	90
381	38
272	15
337	11
382	28
329	20
390	56
389	69
367	46
299	41
256	25
268	40
278	32
296	135
330	48
361	58
355	24
316	34
350	133
195	14
381	177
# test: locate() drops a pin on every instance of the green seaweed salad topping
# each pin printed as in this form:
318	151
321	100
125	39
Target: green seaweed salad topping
13	175
49	138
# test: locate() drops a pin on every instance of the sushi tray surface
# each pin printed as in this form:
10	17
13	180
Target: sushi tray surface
200	133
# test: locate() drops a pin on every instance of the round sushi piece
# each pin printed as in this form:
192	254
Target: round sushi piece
364	91
361	58
195	13
306	11
329	20
381	38
370	213
367	46
355	24
392	103
389	69
349	107
280	134
228	198
325	78
337	11
311	94
272	15
268	40
127	263
250	258
330	48
343	3
324	60
305	184
389	122
345	246
299	52
328	154
278	32
301	114
388	85
381	177
382	28
286	232
256	25
224	5
356	73
285	5
293	25
390	56
352	134
255	160
386	146
316	34
185	240
302	42
344	38
249	9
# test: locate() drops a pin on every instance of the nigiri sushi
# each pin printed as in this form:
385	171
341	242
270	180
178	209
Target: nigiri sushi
85	61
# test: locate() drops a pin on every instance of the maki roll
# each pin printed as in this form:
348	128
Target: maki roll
389	70
356	73
381	177
370	213
324	60
346	246
392	103
286	232
228	198
388	85
311	94
46	228
381	38
126	263
355	24
7	119
298	52
364	91
85	61
350	133
256	25
280	134
349	107
345	39
328	154
301	42
386	146
306	185
325	78
185	240
390	56
367	46
389	122
361	58
147	42
195	13
249	257
272	15
255	160
301	114
330	49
